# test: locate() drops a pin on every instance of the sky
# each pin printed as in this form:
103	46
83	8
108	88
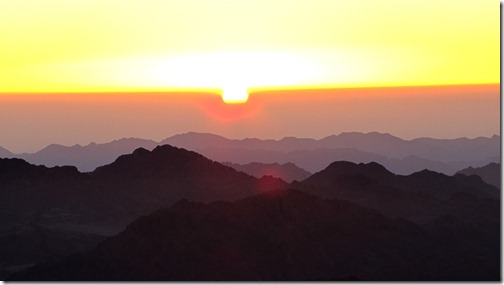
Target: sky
191	52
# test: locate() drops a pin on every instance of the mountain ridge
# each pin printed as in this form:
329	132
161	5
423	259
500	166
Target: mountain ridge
490	173
287	171
420	197
403	156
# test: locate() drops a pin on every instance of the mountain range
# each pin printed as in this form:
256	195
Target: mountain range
400	156
173	214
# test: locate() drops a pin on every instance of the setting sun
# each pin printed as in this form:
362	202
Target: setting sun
234	95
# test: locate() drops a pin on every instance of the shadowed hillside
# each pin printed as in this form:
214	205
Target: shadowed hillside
421	196
281	235
490	173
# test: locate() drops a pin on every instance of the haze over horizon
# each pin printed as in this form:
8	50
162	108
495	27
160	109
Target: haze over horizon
160	138
37	120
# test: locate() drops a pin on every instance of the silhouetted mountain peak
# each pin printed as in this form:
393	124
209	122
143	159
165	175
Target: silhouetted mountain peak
166	148
426	173
140	152
367	169
344	168
159	157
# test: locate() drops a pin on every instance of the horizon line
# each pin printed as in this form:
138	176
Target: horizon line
252	90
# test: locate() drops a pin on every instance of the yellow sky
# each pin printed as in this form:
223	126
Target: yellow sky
122	45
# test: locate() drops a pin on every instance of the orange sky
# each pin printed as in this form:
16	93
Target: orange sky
30	122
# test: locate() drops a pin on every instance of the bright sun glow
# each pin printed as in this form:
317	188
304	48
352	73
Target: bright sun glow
234	95
155	45
233	72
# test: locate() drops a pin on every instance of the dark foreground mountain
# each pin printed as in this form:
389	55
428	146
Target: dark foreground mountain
46	213
282	235
420	197
490	173
287	171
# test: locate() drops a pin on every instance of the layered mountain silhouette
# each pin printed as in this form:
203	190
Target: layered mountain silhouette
349	221
44	210
282	235
400	156
490	173
369	146
373	142
287	171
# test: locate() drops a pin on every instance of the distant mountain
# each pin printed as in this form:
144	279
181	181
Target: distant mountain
490	173
401	156
317	159
287	171
282	235
421	197
311	160
443	150
4	153
46	213
86	158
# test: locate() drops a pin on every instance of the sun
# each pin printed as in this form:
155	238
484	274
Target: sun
235	95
